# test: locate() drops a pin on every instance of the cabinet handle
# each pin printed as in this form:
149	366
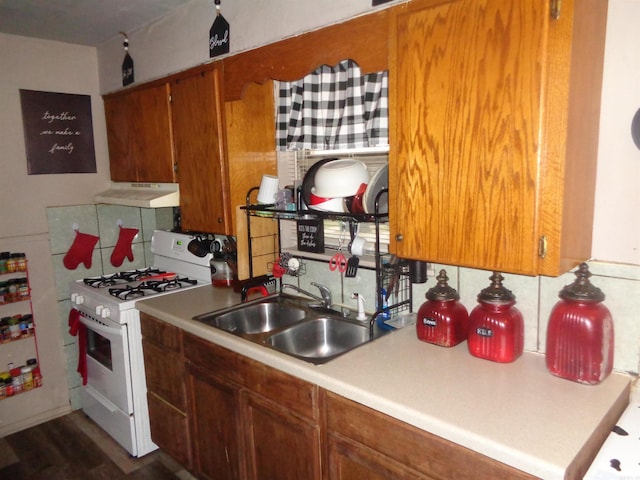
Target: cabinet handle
220	220
542	246
399	237
555	9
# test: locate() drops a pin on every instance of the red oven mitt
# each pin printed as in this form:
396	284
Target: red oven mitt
80	251
77	328
123	246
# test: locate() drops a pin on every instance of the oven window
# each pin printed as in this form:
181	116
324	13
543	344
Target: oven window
99	348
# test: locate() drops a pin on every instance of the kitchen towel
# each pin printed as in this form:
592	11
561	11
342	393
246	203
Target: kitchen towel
80	251
77	328
123	246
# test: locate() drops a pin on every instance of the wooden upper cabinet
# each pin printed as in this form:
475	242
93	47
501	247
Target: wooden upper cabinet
198	133
494	112
139	134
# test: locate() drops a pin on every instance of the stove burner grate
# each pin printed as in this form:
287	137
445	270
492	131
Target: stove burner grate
150	287
120	278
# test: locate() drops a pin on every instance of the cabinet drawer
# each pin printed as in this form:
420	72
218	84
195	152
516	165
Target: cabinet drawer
160	332
408	445
214	359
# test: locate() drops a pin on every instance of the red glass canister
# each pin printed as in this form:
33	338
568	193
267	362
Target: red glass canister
580	335
442	319
496	327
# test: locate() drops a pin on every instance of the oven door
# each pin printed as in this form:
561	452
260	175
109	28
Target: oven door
107	356
107	396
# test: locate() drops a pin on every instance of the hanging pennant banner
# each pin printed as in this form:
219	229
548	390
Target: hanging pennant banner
127	70
218	35
127	63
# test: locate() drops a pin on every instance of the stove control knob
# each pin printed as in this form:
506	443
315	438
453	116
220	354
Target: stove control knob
103	311
77	298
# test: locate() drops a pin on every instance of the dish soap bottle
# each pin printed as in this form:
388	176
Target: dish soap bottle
580	333
496	327
442	319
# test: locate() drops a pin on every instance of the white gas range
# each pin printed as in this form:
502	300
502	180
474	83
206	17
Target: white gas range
107	325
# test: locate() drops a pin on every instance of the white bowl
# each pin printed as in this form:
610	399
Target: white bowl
340	178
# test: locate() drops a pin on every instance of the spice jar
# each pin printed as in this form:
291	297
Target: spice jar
496	327
4	258
580	335
442	319
21	262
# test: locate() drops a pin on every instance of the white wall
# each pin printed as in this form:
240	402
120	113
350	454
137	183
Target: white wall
181	39
54	67
617	216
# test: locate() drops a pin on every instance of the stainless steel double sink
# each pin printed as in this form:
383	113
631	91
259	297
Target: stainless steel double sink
290	325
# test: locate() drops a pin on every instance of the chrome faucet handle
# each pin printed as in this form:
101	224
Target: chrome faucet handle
325	293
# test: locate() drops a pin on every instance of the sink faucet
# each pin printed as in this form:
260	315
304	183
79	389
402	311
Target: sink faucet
324	298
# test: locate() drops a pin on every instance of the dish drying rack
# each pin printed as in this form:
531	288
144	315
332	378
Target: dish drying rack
393	287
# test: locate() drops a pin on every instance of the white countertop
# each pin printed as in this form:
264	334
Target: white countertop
516	413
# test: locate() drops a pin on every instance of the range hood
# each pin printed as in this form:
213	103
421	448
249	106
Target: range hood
144	195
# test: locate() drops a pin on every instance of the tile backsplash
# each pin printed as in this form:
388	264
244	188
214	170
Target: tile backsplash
535	298
102	221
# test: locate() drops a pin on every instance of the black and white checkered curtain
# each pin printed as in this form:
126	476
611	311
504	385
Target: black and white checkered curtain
334	107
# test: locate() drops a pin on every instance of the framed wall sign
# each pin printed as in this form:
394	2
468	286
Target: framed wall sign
58	132
310	235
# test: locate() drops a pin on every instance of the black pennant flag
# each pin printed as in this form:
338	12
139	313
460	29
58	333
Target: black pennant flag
127	64
218	35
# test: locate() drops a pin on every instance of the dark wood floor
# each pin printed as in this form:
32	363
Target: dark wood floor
74	448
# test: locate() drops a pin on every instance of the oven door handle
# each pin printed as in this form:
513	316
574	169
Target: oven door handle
104	330
104	401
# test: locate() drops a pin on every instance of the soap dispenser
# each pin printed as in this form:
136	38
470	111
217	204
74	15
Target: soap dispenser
496	326
442	319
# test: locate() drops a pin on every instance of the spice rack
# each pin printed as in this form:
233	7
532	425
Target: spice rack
18	349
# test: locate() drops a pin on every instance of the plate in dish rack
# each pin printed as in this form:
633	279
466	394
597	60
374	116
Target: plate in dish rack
379	181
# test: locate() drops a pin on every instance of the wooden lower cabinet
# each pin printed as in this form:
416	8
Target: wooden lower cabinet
169	429
166	389
354	461
214	425
278	443
248	420
364	443
224	416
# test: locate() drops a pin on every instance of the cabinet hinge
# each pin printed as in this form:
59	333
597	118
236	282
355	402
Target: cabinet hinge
555	7
542	246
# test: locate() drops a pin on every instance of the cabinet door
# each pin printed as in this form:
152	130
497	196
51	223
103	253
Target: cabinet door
278	443
119	113
214	420
351	461
153	147
198	138
139	135
169	429
466	95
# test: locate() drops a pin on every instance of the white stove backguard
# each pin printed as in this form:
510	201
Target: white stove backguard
171	252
